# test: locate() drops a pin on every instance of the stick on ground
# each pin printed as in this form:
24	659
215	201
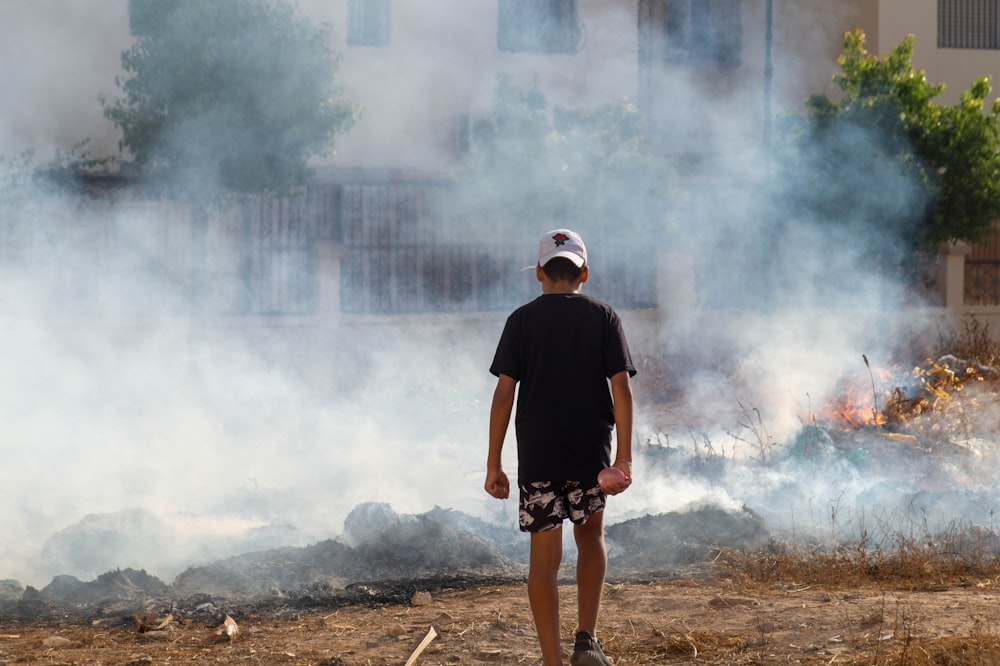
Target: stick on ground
420	648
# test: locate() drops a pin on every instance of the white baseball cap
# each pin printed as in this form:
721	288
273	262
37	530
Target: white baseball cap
562	243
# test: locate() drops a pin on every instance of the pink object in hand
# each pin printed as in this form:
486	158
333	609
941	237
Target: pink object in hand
610	476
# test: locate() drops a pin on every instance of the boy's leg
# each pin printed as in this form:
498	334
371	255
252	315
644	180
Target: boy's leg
591	569
543	591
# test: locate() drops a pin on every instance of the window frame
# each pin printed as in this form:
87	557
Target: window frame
560	32
703	32
369	22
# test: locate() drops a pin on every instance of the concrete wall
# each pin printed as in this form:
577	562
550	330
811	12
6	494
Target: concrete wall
443	60
56	57
956	68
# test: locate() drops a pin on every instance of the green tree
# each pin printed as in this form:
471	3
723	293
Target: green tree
886	157
231	95
227	96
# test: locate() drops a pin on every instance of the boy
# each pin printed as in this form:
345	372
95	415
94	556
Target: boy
563	347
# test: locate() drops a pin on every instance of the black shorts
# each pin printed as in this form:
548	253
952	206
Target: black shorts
545	504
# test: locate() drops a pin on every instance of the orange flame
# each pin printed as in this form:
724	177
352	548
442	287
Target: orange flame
853	407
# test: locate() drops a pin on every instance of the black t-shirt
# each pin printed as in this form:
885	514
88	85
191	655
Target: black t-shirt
563	348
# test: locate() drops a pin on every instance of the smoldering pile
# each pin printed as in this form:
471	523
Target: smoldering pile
381	557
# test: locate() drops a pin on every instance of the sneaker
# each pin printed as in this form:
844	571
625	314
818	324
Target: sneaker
587	651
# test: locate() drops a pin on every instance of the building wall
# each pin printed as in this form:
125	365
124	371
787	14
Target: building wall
699	108
56	57
442	61
808	38
956	68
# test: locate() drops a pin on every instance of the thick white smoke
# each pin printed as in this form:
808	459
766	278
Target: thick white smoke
121	413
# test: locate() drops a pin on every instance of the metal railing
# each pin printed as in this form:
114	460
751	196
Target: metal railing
982	282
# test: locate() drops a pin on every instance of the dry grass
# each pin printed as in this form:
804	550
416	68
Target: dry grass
959	557
949	558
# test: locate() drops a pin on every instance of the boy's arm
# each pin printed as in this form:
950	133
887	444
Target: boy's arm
621	394
497	484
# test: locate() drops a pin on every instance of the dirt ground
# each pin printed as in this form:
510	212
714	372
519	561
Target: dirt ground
644	622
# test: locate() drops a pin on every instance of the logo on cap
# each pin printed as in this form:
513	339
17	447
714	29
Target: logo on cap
562	243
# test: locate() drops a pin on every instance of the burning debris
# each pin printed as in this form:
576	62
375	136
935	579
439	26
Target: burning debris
930	431
935	387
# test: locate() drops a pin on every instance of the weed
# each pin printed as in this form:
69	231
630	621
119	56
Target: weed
920	560
973	342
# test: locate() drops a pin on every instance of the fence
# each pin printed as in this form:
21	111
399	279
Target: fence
405	252
402	248
982	273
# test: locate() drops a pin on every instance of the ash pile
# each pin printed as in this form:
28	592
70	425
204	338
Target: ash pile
382	557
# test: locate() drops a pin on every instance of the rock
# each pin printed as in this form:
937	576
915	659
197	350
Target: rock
56	642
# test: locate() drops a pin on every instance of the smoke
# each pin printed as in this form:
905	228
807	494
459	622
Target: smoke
224	434
124	414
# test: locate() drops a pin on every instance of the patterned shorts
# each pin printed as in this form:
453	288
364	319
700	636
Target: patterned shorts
545	504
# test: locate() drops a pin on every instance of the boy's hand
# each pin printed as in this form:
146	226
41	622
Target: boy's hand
621	486
497	483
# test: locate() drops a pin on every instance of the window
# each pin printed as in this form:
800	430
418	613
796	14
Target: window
405	254
969	24
538	26
703	31
368	22
276	261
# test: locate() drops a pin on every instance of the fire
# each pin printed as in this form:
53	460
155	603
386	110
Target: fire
857	402
854	406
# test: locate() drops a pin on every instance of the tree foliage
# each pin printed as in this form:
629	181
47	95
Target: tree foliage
887	157
14	172
228	94
585	168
